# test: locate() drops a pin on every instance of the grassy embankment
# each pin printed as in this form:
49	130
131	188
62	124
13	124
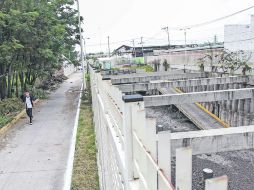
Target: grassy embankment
9	109
85	172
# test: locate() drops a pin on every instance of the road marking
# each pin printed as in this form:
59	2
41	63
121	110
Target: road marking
70	161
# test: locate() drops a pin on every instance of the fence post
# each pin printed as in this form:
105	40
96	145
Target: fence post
184	169
128	136
218	183
164	155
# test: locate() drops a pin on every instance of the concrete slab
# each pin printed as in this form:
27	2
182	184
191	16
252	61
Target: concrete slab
182	83
198	116
214	140
147	78
188	98
35	157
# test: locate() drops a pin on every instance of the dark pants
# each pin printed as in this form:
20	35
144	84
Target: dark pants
29	112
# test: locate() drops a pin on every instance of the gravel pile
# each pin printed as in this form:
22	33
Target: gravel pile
170	118
237	165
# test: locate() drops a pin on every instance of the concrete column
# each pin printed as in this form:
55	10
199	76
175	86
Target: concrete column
218	183
224	105
202	88
164	155
252	110
220	87
240	112
207	105
247	106
246	120
234	109
235	102
215	104
184	169
229	112
234	119
198	88
128	146
211	104
240	119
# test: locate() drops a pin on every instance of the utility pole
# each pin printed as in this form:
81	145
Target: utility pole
167	30
185	36
87	65
81	46
215	39
141	42
134	49
185	45
108	48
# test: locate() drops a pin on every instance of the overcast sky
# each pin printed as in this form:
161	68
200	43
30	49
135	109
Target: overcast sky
124	20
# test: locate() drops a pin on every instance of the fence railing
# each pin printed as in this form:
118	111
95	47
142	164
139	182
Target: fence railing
132	155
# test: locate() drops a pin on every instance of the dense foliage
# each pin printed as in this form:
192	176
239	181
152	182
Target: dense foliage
8	109
35	35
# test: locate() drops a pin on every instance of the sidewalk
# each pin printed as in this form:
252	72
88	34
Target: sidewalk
35	157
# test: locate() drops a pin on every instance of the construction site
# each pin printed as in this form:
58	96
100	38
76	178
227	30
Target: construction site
174	130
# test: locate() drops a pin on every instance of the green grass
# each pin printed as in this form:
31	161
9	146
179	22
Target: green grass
147	68
9	108
85	172
4	120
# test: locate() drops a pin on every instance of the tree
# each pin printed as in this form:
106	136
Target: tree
201	64
232	61
156	63
227	61
165	65
34	34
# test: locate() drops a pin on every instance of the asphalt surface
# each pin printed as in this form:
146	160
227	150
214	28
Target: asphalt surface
34	157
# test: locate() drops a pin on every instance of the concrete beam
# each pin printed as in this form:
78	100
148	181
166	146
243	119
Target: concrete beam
188	98
147	74
155	76
214	140
182	83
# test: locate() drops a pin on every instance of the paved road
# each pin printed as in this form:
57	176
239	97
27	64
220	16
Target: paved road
200	118
35	157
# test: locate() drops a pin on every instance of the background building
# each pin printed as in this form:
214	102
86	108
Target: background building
240	37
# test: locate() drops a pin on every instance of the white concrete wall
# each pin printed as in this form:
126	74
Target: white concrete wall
127	142
181	57
214	140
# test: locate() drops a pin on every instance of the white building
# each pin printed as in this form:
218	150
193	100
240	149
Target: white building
240	37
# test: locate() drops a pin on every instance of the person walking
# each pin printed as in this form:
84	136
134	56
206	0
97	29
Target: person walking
28	100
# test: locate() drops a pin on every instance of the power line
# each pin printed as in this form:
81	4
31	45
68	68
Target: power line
214	20
150	39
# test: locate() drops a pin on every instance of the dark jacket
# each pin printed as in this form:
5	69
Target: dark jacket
23	98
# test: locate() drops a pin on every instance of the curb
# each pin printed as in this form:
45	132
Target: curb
5	128
70	161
